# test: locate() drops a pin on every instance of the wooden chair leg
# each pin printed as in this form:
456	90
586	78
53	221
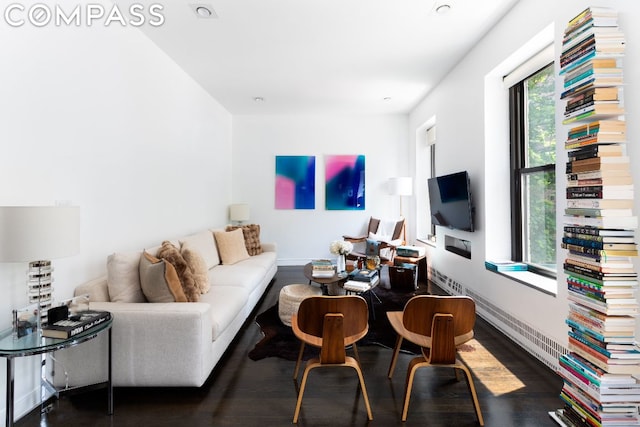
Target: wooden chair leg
394	358
355	353
356	365
472	390
295	371
415	363
457	373
315	363
312	364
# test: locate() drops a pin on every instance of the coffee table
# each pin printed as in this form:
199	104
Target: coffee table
324	281
340	280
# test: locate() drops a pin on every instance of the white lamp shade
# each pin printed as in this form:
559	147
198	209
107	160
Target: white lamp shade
239	212
401	186
32	233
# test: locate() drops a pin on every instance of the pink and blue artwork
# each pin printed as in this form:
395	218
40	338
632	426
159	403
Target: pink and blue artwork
344	176
295	182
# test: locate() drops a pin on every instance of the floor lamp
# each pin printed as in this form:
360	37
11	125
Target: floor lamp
401	186
37	234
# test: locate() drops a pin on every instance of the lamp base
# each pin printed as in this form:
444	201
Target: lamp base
40	288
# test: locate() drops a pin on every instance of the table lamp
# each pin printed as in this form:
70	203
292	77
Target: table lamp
37	234
238	213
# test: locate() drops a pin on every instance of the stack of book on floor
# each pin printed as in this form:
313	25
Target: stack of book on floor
601	369
322	268
361	280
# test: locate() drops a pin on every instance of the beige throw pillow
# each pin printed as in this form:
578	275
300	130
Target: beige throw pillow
251	235
198	268
231	246
159	280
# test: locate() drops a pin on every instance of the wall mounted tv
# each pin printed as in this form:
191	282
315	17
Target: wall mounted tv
451	202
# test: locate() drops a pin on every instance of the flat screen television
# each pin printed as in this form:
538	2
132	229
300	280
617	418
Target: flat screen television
451	202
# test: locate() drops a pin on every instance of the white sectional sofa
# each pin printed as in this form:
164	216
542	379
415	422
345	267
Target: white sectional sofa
168	343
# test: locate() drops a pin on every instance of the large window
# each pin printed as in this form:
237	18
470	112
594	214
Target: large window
431	162
533	158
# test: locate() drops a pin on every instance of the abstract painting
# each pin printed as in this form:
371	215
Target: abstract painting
344	175
295	182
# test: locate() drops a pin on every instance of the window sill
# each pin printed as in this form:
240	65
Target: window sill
427	241
539	282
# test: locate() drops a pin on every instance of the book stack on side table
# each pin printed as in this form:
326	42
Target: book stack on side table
322	268
76	324
361	280
601	369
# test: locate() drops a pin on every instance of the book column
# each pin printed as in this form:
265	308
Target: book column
602	368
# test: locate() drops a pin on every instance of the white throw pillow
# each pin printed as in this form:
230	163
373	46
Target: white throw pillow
204	244
123	277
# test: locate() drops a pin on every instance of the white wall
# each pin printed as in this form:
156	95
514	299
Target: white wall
302	235
102	118
459	102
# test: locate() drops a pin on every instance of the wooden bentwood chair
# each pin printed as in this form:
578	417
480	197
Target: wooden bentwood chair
331	323
438	324
389	242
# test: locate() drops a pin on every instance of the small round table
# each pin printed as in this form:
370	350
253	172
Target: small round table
34	344
324	282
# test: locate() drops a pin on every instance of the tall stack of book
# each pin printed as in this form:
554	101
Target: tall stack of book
600	386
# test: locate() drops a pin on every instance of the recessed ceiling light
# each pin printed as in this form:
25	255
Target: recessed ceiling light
258	99
386	98
443	8
204	11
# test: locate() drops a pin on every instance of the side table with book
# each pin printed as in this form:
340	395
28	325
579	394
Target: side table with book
361	281
36	343
324	278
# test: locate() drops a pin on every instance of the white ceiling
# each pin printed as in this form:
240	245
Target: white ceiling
322	56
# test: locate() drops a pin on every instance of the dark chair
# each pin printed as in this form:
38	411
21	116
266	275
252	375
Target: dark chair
385	244
331	323
438	324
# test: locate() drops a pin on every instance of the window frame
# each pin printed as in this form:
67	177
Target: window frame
518	171
431	138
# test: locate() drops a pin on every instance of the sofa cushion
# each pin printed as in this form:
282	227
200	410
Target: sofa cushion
204	244
227	303
198	268
159	280
231	246
123	277
251	235
240	275
264	261
171	253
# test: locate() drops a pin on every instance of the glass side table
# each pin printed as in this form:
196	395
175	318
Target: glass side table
34	344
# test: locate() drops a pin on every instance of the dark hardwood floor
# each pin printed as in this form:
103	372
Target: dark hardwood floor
514	389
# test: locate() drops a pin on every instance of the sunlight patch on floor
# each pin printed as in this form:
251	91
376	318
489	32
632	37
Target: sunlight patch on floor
489	371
